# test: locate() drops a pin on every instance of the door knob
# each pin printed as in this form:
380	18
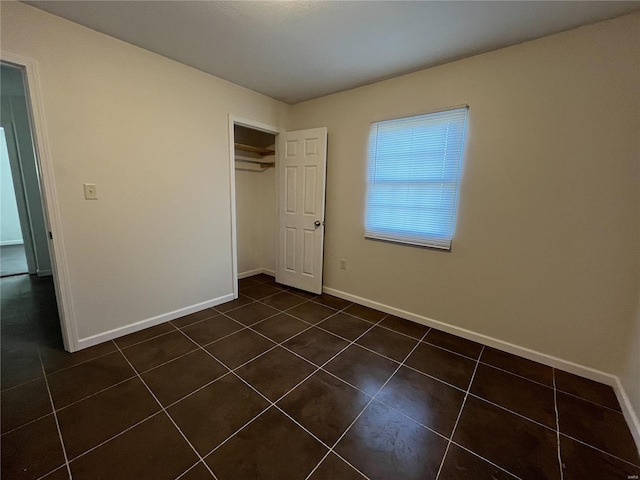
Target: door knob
317	223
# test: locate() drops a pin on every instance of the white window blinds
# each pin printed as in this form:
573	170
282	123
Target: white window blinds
413	178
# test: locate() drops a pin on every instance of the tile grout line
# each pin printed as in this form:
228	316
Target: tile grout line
464	401
197	389
246	424
187	470
435	378
281	344
613	410
366	406
423	340
453	351
209	383
244	327
485	459
513	412
26	424
70	404
214	313
320	368
77	364
540	383
191	351
97	393
191	468
349	343
232	370
248	326
601	451
61	467
8	389
165	410
104	354
555	407
147	339
400	333
277	344
55	417
273	404
517	375
111	438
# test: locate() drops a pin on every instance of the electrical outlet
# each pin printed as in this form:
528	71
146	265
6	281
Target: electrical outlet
343	264
90	192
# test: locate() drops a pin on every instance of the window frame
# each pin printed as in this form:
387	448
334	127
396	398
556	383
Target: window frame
428	242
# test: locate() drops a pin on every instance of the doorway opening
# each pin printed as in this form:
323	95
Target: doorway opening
13	260
29	290
254	183
24	245
277	214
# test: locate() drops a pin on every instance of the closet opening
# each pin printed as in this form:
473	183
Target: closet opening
254	157
277	214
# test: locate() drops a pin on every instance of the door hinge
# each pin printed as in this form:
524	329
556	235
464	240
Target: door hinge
51	235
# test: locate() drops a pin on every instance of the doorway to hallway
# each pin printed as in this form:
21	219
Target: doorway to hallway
13	259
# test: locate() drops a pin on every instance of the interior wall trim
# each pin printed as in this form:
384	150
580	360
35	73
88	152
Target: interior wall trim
249	273
151	322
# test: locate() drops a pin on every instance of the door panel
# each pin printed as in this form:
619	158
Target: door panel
301	170
290	181
290	250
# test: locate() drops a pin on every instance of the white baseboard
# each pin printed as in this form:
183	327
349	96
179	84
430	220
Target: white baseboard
45	273
256	271
11	242
630	415
150	322
249	273
568	366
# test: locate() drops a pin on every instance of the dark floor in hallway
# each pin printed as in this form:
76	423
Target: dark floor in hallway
13	260
281	384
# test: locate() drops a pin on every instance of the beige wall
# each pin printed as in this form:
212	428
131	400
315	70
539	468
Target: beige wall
545	254
269	220
152	134
248	201
256	220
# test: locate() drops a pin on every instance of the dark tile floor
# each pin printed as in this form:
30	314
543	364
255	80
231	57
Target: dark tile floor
280	384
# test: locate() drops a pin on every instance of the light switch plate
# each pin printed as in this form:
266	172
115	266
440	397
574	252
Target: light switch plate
90	192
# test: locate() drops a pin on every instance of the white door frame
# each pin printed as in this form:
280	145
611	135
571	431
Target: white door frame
263	127
50	205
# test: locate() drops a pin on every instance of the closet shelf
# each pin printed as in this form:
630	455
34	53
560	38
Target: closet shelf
248	148
254	167
244	158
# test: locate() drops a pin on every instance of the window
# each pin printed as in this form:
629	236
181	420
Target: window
413	178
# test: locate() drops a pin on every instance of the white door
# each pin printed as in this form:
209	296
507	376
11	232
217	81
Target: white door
301	169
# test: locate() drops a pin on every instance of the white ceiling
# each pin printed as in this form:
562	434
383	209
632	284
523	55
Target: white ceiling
296	51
